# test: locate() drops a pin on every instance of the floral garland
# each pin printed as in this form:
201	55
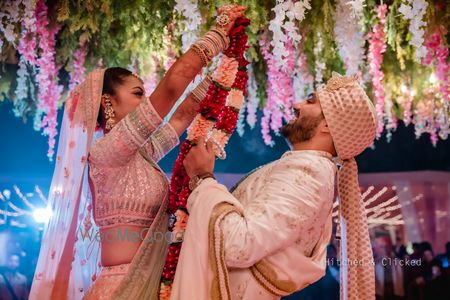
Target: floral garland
280	92
283	30
252	98
356	7
414	11
443	120
424	118
320	65
217	119
27	51
240	126
349	36
27	58
303	80
78	69
437	53
191	23
377	46
150	78
9	15
391	120
143	40
47	78
251	103
405	99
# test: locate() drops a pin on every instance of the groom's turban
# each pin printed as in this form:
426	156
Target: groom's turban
352	120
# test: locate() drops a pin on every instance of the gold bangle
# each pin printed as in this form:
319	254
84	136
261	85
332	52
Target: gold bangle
211	44
201	54
223	35
201	89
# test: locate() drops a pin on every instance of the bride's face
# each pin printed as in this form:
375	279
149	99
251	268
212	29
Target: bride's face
128	96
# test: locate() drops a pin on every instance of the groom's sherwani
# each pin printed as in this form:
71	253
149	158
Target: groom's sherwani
265	240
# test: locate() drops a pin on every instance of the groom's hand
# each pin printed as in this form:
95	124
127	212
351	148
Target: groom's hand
200	159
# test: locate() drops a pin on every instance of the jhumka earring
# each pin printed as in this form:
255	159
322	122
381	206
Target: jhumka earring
109	113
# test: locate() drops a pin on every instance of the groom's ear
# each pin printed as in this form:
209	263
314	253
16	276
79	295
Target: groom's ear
323	127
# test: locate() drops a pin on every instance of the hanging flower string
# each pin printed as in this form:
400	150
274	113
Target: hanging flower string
391	120
280	91
349	36
377	46
414	11
303	81
191	21
47	78
320	65
283	26
437	54
10	17
27	52
424	118
252	98
78	69
216	120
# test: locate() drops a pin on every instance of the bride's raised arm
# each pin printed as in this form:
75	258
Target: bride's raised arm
184	70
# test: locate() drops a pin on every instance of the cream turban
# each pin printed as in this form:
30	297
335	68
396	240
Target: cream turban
351	118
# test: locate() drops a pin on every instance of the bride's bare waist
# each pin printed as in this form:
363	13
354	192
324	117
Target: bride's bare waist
120	244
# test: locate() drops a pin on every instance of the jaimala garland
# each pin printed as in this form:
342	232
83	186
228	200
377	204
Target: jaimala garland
216	120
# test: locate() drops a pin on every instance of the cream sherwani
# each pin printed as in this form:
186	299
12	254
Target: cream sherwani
265	240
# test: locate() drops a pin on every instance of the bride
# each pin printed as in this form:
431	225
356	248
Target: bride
108	195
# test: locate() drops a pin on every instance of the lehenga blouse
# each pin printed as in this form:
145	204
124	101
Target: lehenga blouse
128	186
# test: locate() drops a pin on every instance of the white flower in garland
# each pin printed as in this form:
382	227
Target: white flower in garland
283	26
349	37
320	63
414	11
190	25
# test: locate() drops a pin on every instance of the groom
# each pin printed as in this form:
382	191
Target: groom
268	238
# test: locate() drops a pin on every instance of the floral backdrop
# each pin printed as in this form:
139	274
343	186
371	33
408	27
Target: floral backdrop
398	49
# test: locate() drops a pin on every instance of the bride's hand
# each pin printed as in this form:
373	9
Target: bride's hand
227	15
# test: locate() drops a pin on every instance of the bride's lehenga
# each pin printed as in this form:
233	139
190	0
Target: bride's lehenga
128	188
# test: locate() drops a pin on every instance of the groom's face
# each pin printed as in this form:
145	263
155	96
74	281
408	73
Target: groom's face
308	116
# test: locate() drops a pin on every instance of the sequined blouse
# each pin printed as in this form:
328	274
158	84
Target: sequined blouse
127	185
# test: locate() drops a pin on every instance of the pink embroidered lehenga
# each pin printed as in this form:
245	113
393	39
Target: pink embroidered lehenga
128	188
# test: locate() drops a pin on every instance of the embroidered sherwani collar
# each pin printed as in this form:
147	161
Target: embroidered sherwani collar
308	152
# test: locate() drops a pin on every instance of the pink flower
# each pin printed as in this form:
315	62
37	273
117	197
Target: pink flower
200	127
165	291
235	99
377	46
180	224
226	71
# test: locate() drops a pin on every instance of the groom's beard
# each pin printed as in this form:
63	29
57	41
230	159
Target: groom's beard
302	129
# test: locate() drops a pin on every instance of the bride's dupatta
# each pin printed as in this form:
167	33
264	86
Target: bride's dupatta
68	261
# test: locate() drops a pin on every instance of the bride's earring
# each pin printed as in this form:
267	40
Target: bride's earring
109	113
